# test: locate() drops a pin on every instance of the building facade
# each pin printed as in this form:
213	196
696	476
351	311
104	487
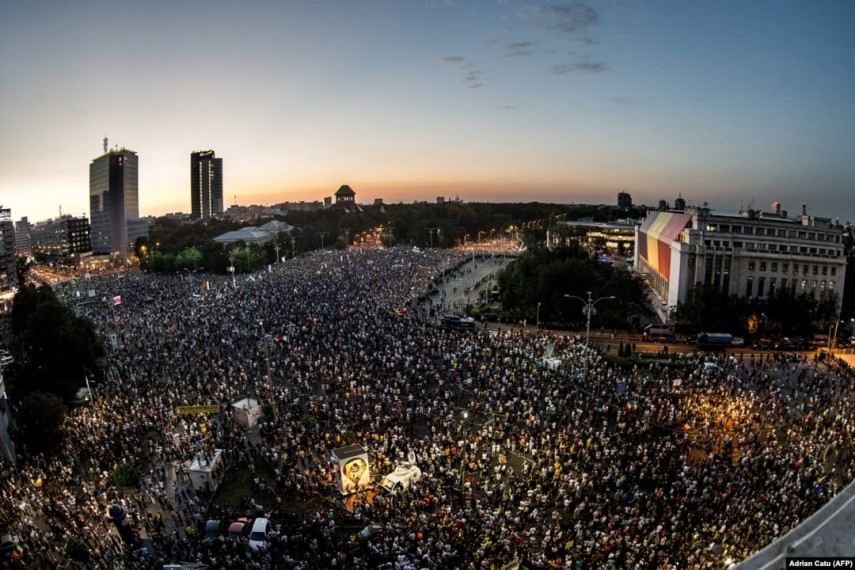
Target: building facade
23	243
65	237
113	200
750	254
206	185
8	264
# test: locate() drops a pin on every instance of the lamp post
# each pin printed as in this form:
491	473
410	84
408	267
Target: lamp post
430	233
589	310
833	340
763	332
465	439
265	342
538	315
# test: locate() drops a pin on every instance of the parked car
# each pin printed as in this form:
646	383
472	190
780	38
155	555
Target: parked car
370	530
787	344
258	534
456	322
737	341
659	334
212	529
238	529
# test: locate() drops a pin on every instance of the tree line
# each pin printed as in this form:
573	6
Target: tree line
175	246
55	350
545	285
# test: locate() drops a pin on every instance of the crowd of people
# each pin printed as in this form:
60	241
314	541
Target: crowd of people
583	464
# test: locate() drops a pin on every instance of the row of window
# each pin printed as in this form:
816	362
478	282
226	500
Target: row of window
785	268
776	248
803	235
801	286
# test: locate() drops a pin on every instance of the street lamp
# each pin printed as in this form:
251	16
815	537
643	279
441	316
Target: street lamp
430	233
538	315
833	340
589	310
763	332
266	342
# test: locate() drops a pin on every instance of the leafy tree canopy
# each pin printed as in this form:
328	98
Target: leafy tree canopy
546	277
38	420
58	345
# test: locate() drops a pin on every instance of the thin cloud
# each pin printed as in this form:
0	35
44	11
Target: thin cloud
469	74
472	78
569	21
571	17
518	49
578	67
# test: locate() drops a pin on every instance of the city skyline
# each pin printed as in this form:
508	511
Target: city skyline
731	104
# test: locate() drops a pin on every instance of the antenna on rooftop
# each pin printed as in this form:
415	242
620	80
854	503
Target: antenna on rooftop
106	143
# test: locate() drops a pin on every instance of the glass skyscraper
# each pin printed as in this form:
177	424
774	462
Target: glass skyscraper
113	200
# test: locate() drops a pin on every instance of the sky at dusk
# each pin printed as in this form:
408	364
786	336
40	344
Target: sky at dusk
733	103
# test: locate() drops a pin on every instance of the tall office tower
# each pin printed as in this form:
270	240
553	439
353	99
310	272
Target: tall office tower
8	267
113	200
23	240
206	185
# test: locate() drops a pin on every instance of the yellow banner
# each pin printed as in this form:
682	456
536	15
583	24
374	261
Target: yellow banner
210	409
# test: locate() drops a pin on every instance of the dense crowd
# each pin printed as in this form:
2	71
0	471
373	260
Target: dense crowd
580	465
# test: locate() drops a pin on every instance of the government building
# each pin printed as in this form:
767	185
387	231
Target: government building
750	254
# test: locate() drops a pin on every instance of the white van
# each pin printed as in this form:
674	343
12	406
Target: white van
401	478
258	534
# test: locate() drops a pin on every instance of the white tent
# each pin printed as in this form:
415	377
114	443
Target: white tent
247	412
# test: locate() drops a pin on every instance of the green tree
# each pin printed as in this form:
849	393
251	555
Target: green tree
38	420
124	475
544	277
709	309
58	345
190	258
77	550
